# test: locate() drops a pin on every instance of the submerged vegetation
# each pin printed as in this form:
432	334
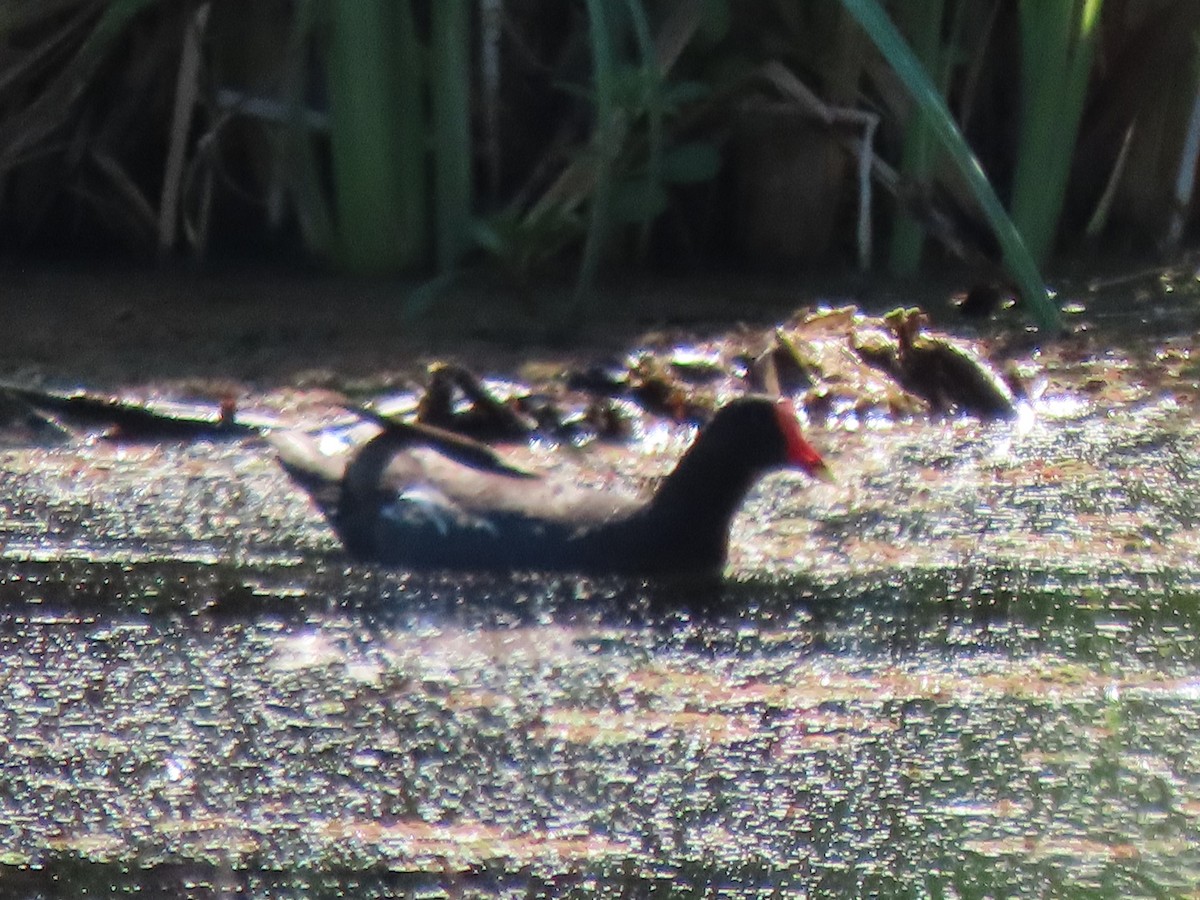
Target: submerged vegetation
411	135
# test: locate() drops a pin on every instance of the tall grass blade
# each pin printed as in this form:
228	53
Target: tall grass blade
411	157
606	139
15	16
187	87
1020	265
924	27
491	32
34	61
1058	39
27	128
111	25
301	171
450	91
1185	178
378	135
652	79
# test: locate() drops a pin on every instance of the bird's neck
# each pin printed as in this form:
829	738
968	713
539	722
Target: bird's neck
702	494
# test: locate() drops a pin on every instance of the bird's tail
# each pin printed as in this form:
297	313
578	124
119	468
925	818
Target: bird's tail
311	466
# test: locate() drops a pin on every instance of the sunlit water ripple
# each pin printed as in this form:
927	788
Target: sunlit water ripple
969	667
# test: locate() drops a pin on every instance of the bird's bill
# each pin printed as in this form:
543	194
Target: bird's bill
800	452
822	472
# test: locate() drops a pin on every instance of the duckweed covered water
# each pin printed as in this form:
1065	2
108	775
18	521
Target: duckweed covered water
969	668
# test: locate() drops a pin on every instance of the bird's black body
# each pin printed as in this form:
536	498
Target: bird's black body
406	502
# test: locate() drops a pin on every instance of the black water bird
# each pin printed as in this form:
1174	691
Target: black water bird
422	498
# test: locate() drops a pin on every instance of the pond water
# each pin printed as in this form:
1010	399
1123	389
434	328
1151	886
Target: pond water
971	667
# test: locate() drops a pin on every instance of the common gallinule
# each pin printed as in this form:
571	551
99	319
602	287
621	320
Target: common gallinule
405	499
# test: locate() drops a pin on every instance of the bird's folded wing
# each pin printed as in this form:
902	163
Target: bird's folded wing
304	455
